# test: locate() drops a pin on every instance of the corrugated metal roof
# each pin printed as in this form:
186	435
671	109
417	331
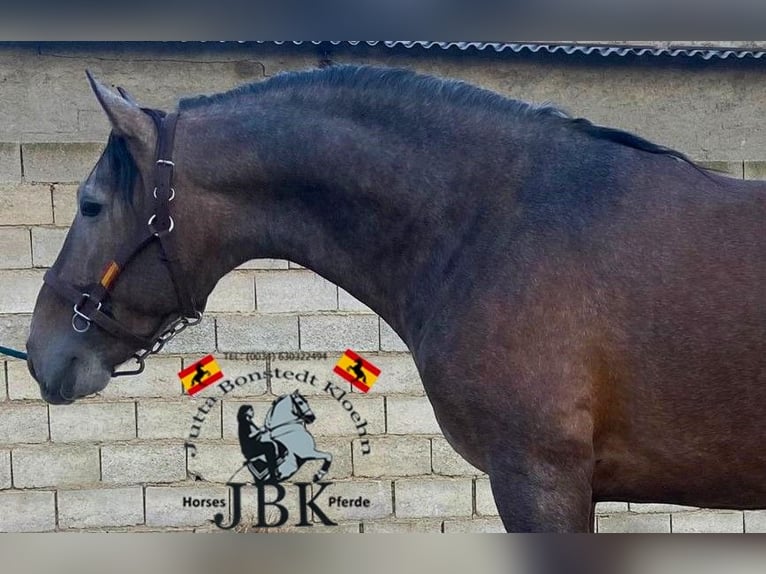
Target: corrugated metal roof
706	53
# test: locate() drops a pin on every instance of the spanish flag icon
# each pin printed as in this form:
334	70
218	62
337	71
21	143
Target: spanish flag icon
358	371
201	374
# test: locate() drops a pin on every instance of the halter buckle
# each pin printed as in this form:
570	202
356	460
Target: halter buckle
80	316
168	230
172	194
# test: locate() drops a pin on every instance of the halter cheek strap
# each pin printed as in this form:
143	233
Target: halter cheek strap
87	307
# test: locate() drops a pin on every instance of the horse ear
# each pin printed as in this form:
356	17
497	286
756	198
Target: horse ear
126	117
126	95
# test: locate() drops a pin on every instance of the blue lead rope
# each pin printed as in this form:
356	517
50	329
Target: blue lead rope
13	353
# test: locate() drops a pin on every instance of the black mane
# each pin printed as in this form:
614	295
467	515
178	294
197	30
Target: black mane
627	139
123	169
407	83
395	80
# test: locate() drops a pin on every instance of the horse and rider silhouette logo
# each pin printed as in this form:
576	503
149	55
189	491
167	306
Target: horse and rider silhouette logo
275	451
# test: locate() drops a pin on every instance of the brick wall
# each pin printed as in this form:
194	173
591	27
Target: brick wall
117	461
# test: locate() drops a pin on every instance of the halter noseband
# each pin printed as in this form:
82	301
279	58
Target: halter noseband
88	303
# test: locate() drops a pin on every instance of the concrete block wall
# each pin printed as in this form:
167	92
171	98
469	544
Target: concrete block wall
117	461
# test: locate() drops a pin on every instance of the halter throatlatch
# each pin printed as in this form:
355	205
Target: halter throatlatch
87	304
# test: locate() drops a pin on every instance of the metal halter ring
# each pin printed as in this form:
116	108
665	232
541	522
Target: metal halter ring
82	316
195	321
139	369
153	217
172	194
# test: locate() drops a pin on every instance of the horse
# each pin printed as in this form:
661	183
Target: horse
585	307
285	428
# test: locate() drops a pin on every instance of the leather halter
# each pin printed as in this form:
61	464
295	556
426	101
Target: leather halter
88	303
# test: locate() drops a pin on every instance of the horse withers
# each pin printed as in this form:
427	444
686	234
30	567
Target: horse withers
586	309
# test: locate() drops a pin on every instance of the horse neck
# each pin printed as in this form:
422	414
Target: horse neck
277	415
364	204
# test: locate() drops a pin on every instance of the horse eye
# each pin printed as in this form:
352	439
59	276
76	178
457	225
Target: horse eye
90	208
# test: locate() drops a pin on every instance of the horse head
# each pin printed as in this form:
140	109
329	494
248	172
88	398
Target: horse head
301	408
115	269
